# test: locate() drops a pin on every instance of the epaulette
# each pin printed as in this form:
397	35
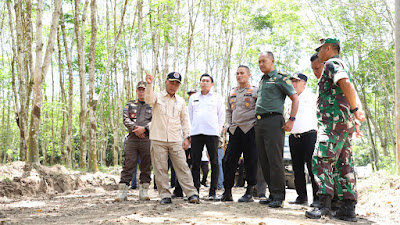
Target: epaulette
283	74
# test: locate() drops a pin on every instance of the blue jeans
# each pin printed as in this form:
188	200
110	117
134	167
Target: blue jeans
220	184
133	183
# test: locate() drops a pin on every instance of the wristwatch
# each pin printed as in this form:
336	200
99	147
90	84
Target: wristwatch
292	118
354	110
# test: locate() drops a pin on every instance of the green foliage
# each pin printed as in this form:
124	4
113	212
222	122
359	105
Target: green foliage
262	22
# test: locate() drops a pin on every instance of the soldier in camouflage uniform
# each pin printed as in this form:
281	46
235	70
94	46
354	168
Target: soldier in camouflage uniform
336	104
137	117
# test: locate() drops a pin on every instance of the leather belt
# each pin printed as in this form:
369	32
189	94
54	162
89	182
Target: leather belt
268	114
302	134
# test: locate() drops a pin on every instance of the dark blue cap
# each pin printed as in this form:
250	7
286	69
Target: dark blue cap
299	76
174	76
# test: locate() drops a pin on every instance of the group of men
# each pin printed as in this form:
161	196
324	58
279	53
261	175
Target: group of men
321	128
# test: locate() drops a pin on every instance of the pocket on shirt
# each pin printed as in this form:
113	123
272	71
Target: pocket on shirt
162	107
148	114
177	109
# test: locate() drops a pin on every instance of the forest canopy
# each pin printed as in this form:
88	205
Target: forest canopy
69	67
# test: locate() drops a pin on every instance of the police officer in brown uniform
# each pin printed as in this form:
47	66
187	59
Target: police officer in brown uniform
240	118
137	117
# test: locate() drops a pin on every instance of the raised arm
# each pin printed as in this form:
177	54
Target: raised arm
149	98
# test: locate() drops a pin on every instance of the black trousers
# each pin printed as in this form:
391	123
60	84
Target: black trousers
211	143
239	143
302	149
270	139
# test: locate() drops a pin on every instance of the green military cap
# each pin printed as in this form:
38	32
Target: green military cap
141	84
323	41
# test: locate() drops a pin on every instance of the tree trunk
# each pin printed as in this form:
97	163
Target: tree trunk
397	62
68	138
40	71
155	38
176	37
107	70
92	97
139	43
23	78
80	38
63	98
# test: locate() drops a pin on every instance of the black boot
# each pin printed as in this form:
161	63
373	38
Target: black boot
248	196
226	196
324	208
348	211
315	202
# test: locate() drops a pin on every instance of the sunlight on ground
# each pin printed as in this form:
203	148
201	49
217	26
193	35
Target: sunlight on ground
151	220
212	213
27	204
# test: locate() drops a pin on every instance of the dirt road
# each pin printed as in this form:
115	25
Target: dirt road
94	204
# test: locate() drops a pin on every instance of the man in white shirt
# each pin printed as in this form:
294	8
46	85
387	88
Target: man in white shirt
207	117
303	137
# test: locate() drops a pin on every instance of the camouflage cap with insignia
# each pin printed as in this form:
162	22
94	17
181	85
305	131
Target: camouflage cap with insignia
323	41
141	84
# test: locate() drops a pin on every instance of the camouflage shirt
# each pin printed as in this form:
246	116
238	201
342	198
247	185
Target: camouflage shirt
334	114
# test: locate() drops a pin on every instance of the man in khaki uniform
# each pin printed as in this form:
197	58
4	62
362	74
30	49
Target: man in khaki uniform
137	118
170	121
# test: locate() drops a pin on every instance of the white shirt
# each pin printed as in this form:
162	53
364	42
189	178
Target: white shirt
204	157
206	114
306	118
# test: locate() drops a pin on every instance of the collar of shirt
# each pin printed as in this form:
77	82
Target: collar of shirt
165	94
270	74
238	88
211	92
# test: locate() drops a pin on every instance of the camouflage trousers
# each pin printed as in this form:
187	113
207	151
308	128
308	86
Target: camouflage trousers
333	166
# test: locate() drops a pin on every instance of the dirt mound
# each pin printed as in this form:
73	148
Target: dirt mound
379	196
18	179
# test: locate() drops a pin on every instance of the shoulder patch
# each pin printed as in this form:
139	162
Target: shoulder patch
283	74
288	82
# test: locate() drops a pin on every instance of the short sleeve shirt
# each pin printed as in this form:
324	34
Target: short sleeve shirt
272	91
333	107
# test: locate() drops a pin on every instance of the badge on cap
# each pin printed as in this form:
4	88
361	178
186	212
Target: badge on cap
133	115
176	75
259	117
